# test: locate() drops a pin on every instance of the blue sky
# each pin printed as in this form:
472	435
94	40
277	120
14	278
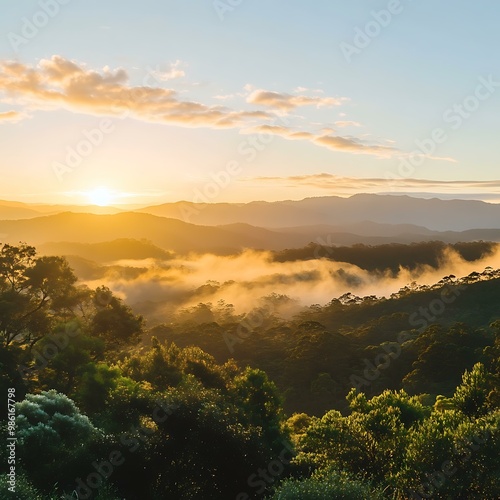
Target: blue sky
371	109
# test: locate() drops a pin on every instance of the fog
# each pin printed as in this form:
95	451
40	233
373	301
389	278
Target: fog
159	289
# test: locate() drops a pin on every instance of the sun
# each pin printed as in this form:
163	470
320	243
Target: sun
100	196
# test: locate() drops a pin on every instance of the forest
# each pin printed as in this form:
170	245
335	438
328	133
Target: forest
364	397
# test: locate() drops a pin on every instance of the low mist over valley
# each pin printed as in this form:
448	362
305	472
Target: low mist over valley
159	264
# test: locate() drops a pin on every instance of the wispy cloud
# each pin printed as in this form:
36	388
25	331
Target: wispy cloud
428	156
354	146
346	123
225	97
172	73
327	140
351	185
442	158
288	102
59	83
11	116
305	89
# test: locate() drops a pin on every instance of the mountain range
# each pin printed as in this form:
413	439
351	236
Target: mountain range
67	229
434	214
342	213
224	228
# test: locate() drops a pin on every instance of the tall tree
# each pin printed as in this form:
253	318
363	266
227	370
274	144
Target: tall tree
34	292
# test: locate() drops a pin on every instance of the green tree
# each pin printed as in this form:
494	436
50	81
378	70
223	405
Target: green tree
49	425
34	292
260	402
443	353
326	484
114	321
471	397
71	352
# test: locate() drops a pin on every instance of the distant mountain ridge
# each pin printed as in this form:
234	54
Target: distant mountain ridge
14	210
182	237
8	212
434	214
349	215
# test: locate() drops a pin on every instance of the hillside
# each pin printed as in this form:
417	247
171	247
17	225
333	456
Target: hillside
12	210
435	214
179	236
125	248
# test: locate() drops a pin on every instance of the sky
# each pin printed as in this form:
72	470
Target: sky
237	100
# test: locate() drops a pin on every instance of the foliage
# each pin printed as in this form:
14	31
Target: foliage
471	397
49	425
33	291
190	422
24	489
404	448
391	256
114	321
324	484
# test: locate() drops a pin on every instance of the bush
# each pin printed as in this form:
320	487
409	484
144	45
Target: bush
49	425
326	484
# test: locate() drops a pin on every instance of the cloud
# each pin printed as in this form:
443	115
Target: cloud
58	83
352	145
160	288
348	185
343	124
327	140
428	156
224	97
305	89
11	116
442	158
285	132
475	196
172	73
288	102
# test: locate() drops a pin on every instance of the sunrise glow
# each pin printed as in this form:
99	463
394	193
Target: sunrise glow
100	196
